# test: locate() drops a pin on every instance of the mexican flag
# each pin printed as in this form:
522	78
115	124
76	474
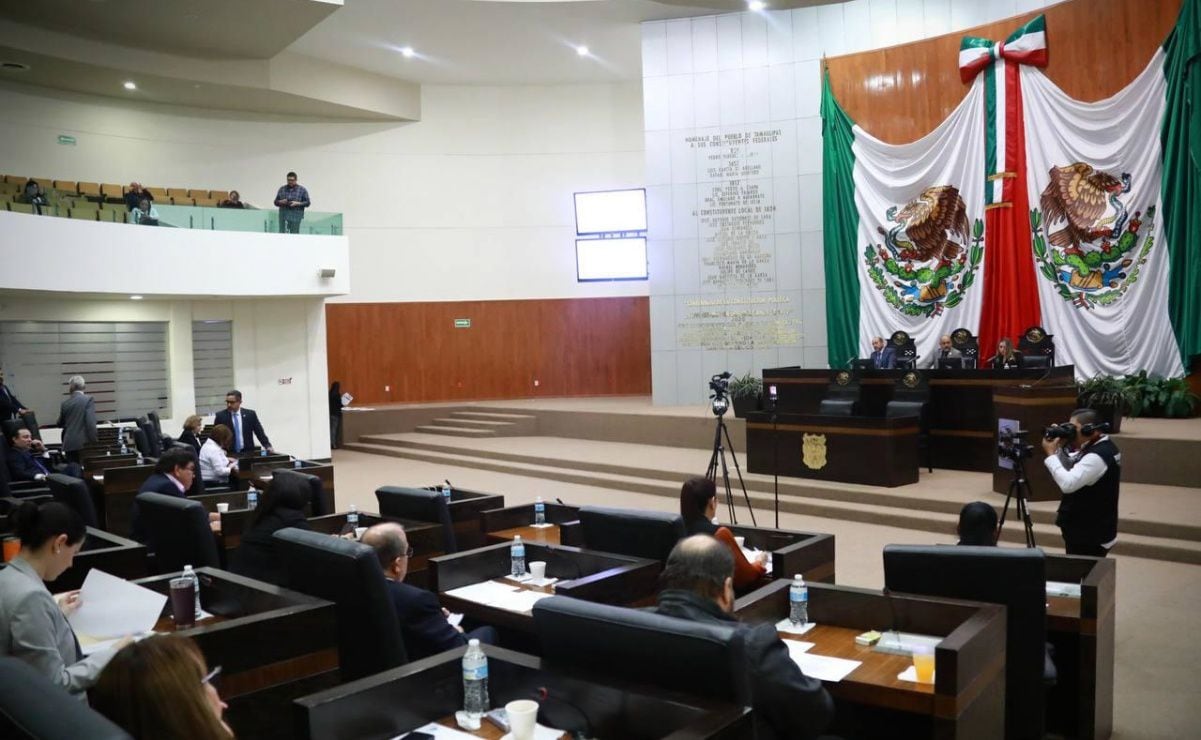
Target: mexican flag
905	224
1092	213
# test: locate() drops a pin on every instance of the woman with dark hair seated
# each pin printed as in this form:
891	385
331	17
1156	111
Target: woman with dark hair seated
33	624
282	507
698	506
161	689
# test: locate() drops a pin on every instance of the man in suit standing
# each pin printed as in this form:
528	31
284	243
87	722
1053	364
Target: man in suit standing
12	408
244	422
423	623
77	419
698	585
884	357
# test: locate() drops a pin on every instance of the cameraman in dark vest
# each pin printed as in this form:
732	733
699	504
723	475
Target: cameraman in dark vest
1089	478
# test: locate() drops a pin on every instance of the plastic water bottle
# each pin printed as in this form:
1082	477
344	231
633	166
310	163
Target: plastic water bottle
252	498
124	448
798	602
539	511
296	463
446	492
475	684
263	452
517	553
189	573
352	517
141	460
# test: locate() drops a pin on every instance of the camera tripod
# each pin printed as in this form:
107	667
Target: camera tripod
719	458
1019	488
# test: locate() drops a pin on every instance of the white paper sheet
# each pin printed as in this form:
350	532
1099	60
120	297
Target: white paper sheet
455	619
346	399
796	647
910	674
485	592
113	607
751	553
521	601
823	667
786	625
1059	588
441	732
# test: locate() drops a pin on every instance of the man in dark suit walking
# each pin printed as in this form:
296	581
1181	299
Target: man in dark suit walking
423	623
12	408
77	419
244	422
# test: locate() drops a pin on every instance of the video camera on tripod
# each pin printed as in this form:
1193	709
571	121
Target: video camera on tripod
1012	445
720	385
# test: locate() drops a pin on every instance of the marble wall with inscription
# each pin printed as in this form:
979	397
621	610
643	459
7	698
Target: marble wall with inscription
734	201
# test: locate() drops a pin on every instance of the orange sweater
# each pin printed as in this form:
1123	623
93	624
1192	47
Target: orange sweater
746	573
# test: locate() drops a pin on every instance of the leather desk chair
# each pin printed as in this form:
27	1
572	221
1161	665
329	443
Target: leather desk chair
631	532
348	574
616	647
32	708
74	493
8	487
316	491
177	531
1014	578
420	505
911	397
842	395
1035	362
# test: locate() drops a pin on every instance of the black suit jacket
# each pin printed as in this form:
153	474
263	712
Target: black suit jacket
156	483
250	426
191	440
9	403
23	466
257	557
422	623
787	703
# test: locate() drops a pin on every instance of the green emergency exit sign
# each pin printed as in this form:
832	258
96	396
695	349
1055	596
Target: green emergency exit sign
462	323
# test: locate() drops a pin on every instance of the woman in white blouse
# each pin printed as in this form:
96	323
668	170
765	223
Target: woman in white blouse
215	464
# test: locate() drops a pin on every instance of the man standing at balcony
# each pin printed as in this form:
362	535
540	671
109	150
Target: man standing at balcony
291	199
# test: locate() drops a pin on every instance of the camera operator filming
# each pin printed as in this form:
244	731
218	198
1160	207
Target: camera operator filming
1089	478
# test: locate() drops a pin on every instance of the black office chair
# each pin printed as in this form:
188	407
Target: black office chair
317	505
154	442
1014	578
911	397
968	345
9	487
141	441
842	394
421	505
152	417
696	658
348	574
906	350
631	532
32	708
1037	348
177	531
74	493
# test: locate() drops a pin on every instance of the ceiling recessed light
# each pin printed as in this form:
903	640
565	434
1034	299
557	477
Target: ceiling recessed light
582	50
407	52
135	298
129	85
755	5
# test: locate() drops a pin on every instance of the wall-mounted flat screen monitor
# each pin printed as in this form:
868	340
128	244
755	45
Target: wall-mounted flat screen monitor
610	259
610	211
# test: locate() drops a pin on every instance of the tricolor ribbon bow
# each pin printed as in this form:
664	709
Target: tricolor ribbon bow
1027	45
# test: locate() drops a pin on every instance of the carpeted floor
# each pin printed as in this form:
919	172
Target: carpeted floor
1157	692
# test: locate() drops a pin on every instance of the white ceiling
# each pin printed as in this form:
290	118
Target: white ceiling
491	42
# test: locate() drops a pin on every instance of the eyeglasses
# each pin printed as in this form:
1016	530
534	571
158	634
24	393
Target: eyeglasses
409	552
212	675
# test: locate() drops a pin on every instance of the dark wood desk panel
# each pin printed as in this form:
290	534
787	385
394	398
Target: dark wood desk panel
273	645
967	699
960	414
402	699
262	473
466	508
849	449
1082	631
809	553
113	489
108	552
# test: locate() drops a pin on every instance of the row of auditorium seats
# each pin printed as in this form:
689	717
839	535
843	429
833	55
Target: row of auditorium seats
114	192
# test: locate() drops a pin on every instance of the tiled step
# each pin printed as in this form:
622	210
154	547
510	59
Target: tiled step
455	431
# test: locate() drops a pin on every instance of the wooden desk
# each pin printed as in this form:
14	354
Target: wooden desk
402	699
272	644
500	525
113	489
850	449
960	413
809	553
108	552
548	535
466	507
593	576
967	699
1081	630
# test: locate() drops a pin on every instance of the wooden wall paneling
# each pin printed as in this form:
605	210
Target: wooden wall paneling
573	347
1095	48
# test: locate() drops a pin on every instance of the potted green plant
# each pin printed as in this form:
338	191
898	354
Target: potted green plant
746	392
1164	397
1107	395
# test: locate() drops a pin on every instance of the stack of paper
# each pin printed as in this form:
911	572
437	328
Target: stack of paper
822	667
499	596
111	608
